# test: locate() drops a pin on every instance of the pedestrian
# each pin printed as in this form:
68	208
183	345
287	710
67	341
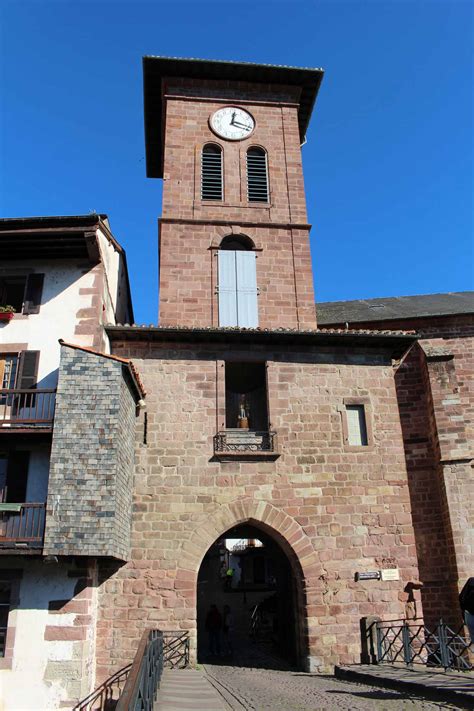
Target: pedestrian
228	629
228	578
213	627
466	600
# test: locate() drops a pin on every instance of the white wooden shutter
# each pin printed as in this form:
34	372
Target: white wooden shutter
247	307
227	289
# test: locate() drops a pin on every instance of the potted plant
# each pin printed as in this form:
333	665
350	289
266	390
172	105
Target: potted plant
6	312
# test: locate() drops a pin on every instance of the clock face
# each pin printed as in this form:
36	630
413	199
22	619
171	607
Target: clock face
232	123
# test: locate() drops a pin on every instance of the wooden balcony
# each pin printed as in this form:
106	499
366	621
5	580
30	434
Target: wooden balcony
27	410
22	526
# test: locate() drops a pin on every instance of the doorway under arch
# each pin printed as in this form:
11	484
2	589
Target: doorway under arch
264	596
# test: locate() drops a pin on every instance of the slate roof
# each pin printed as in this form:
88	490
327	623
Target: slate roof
395	308
155	69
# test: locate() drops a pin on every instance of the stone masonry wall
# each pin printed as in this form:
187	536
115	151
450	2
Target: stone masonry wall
435	386
335	510
190	228
91	470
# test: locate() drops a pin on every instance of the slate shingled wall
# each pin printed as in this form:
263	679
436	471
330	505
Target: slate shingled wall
92	458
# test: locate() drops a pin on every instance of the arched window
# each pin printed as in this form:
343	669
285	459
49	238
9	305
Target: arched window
237	287
211	173
257	175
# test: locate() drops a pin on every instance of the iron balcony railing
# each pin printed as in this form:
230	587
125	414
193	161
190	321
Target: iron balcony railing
414	643
22	524
26	408
242	441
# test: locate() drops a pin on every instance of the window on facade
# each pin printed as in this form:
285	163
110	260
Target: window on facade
246	396
14	476
257	175
211	173
237	286
5	596
22	292
356	426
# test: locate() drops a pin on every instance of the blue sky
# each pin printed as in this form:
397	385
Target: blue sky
388	163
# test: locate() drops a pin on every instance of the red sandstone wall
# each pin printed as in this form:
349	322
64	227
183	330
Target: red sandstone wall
339	511
435	387
190	226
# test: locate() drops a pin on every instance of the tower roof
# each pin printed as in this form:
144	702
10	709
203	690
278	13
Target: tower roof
155	69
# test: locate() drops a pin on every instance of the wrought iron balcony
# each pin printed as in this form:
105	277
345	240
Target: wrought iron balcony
22	525
26	409
233	443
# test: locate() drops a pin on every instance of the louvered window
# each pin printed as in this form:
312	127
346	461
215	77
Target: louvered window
211	177
257	175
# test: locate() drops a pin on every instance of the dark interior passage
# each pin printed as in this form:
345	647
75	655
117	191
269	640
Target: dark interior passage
258	600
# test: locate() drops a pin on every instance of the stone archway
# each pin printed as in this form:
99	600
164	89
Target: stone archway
289	535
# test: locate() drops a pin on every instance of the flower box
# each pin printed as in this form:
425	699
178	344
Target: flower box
6	315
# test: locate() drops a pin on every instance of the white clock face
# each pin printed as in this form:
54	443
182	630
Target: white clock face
232	123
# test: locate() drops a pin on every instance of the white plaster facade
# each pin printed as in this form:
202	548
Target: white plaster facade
34	682
79	295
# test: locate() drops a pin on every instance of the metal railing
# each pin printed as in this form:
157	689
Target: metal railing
26	408
139	693
175	649
229	441
25	525
107	695
411	643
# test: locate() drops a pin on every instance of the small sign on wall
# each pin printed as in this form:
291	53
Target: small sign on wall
390	574
369	575
387	574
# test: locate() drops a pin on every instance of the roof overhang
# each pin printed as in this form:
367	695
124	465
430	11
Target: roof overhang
156	69
395	343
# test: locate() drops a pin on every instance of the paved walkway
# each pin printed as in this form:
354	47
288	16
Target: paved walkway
246	689
434	683
187	690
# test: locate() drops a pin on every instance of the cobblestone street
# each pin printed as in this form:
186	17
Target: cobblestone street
271	690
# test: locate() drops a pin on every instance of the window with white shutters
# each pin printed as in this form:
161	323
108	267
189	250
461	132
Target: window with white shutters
237	289
257	175
211	172
356	426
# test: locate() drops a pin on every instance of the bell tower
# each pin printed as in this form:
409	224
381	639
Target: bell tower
233	236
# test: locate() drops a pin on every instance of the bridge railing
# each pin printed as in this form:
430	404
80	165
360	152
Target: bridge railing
411	642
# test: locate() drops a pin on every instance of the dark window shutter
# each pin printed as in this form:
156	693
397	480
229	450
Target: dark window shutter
17	477
257	175
28	370
33	292
211	177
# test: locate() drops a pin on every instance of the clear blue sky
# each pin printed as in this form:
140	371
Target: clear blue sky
388	163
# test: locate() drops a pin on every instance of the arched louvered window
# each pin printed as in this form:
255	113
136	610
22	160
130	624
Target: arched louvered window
211	175
257	175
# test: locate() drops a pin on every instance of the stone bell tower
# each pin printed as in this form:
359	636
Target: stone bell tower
234	237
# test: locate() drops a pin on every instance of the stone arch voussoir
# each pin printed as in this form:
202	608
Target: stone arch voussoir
284	528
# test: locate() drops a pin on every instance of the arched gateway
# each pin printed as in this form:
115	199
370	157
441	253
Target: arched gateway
293	558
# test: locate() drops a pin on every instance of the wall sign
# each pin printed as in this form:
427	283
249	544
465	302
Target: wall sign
369	575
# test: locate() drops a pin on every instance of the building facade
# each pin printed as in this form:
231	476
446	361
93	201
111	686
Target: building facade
338	437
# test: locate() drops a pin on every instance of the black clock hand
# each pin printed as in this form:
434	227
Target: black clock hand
241	125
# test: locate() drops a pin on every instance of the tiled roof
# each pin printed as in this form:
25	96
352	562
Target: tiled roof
239	329
126	361
395	308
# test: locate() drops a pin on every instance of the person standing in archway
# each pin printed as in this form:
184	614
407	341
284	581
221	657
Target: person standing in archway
213	627
228	629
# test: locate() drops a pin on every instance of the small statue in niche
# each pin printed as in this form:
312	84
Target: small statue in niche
244	413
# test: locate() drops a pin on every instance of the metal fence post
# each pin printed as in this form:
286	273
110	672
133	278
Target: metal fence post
406	643
443	644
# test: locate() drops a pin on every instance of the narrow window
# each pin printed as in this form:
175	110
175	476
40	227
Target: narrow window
257	175
211	176
356	426
14	477
5	596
